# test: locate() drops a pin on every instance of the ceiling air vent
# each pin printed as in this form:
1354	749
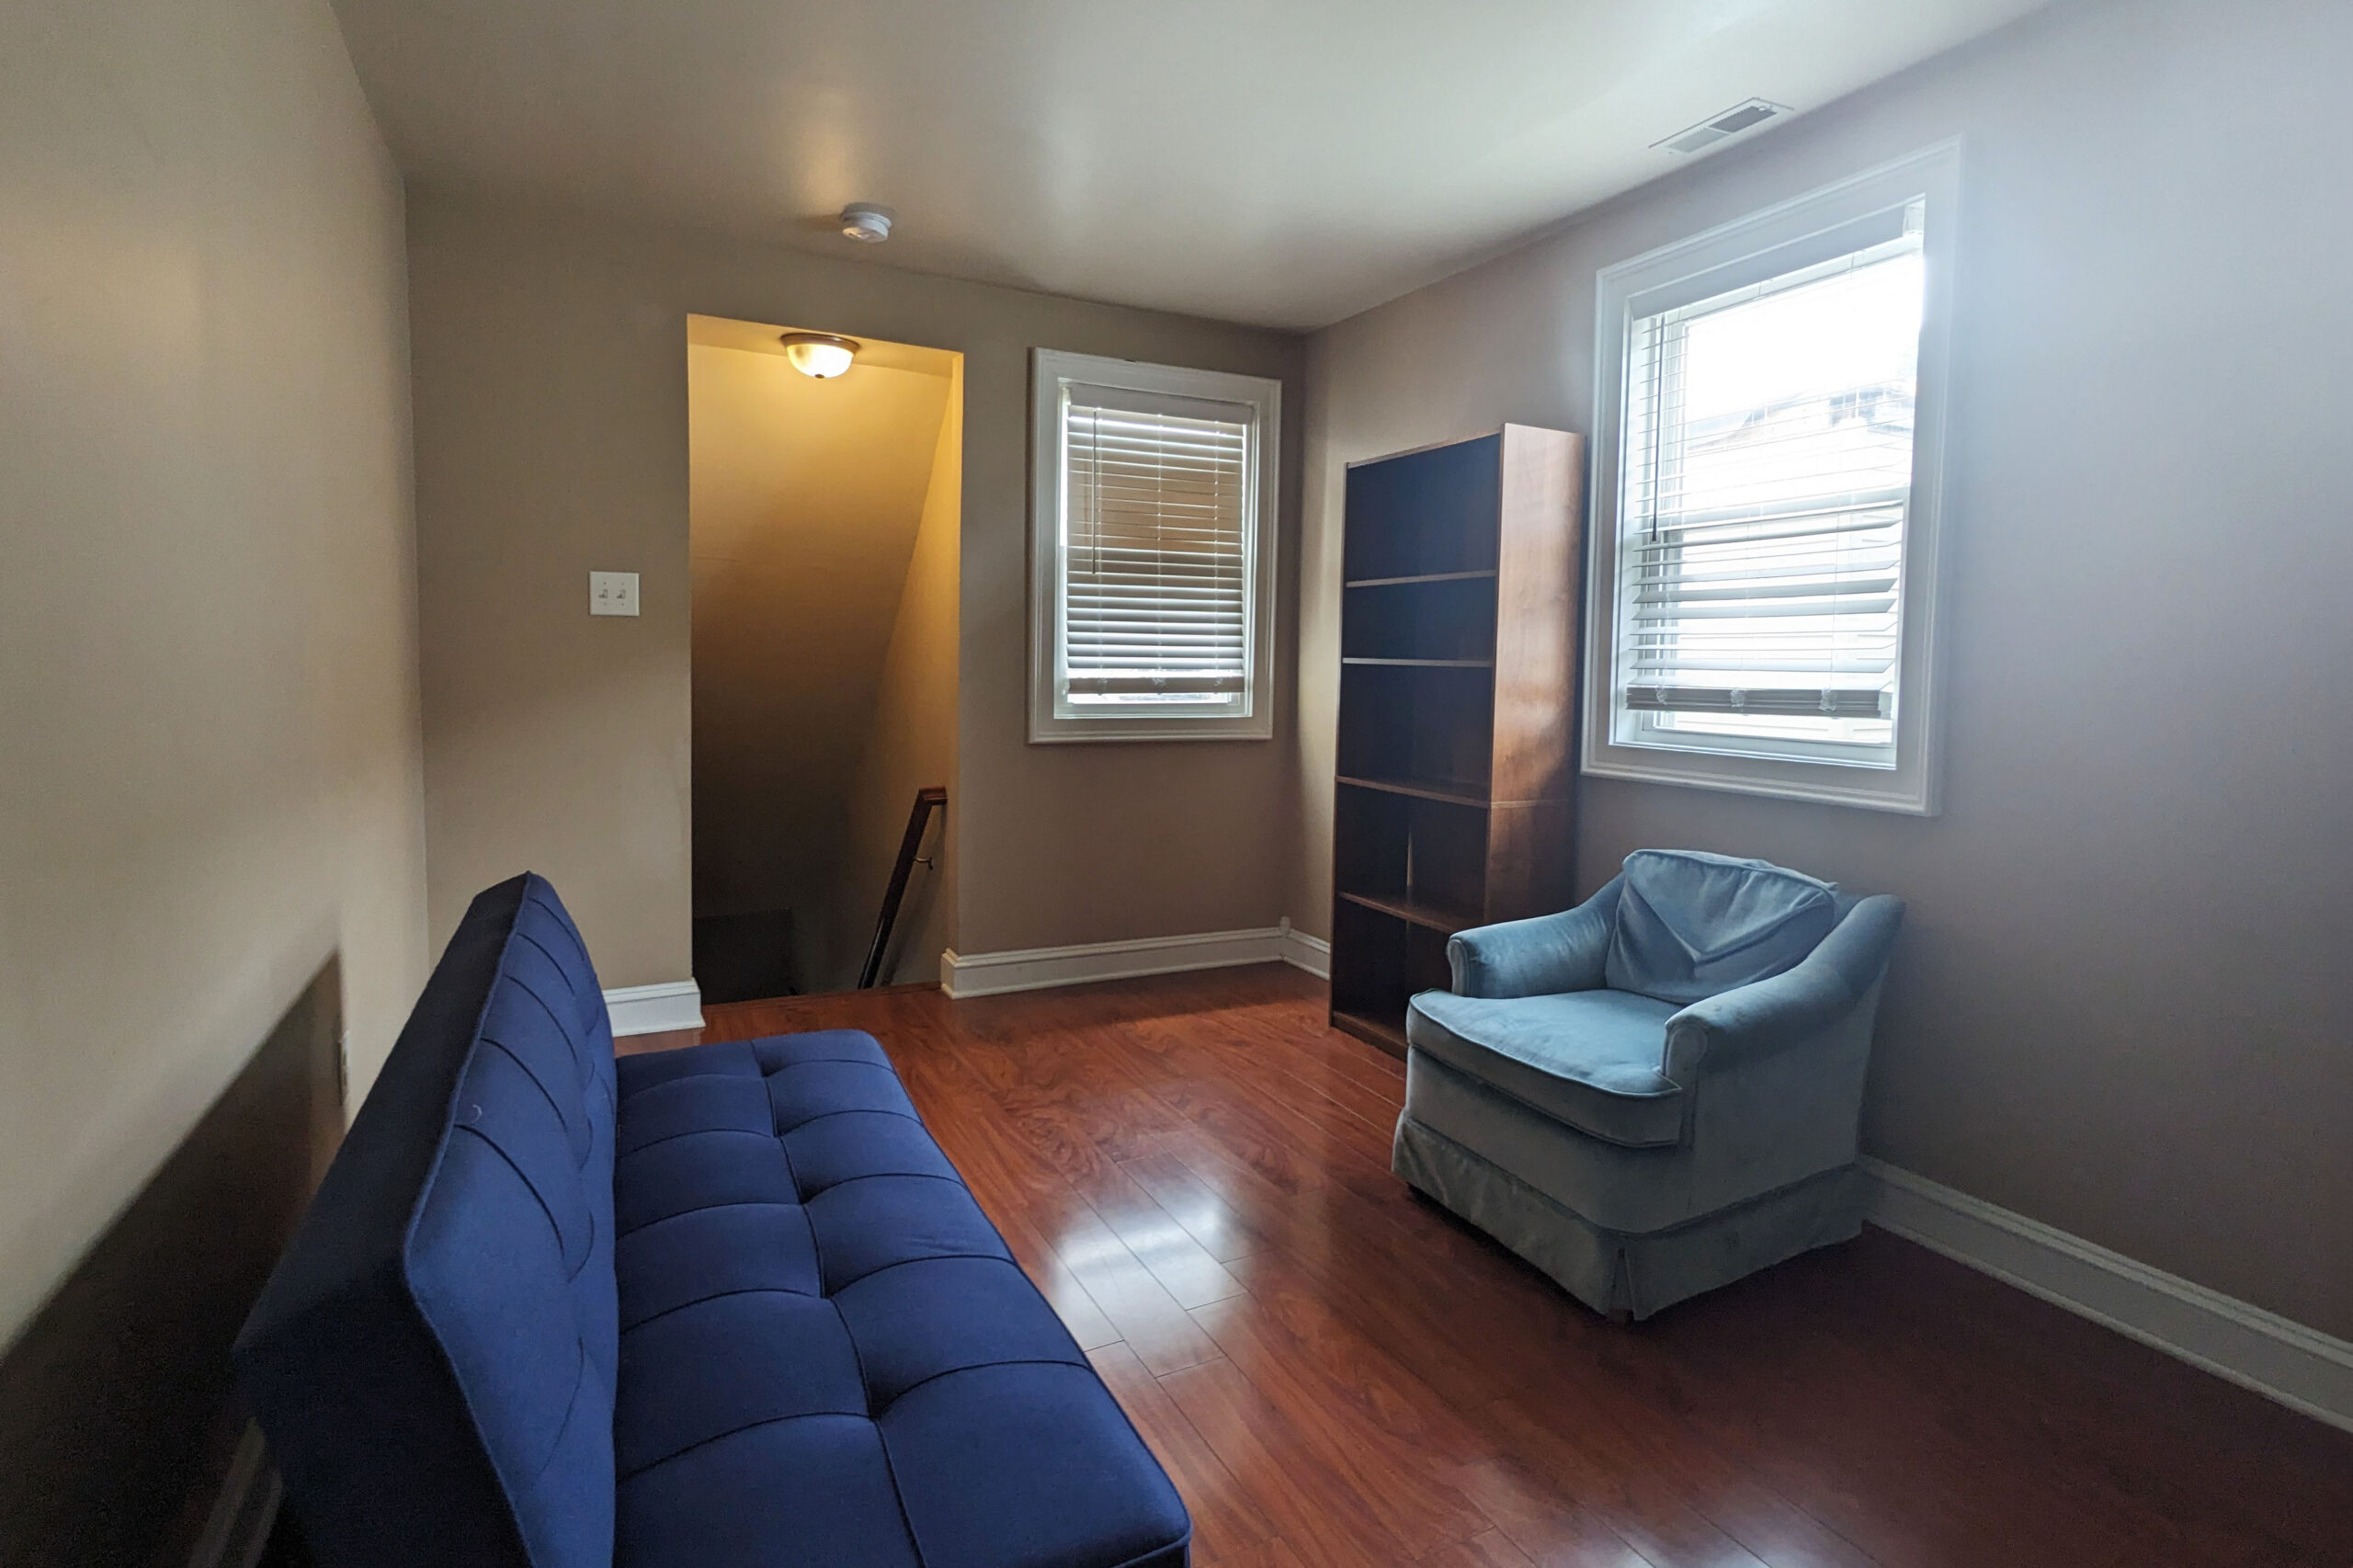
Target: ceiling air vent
1732	122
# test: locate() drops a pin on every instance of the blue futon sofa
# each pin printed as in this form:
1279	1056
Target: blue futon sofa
721	1306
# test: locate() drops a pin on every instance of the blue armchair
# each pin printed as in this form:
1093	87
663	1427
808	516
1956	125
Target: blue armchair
1655	1092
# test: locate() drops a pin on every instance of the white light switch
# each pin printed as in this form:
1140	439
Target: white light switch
612	593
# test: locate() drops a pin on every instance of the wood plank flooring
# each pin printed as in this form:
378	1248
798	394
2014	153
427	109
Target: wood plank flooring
1195	1171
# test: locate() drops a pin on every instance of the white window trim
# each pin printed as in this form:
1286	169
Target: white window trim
1052	370
1767	244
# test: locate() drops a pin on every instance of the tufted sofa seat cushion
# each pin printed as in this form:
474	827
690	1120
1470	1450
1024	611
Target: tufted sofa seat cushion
827	1355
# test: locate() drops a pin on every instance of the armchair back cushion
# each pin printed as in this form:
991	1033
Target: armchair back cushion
1690	924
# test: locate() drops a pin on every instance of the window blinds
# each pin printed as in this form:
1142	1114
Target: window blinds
1157	549
1768	478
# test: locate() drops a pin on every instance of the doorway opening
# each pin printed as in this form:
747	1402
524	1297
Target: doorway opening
824	516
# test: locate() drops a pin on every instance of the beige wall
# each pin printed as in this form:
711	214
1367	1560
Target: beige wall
551	388
805	496
2119	1004
209	783
912	741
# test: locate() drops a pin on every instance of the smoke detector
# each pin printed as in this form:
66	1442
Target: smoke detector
866	222
1716	128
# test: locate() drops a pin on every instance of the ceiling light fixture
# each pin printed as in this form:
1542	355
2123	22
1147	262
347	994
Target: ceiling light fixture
865	222
819	354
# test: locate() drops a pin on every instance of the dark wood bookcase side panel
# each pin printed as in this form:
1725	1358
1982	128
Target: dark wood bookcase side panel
1529	870
1536	610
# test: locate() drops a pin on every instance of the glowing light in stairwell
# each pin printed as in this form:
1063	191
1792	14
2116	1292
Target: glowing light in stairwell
819	354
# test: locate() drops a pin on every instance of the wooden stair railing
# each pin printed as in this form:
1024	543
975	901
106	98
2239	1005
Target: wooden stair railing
931	797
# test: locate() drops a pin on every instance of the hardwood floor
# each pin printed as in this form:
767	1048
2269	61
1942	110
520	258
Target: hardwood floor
1194	1170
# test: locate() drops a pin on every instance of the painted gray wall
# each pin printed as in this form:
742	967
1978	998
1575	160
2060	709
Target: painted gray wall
210	778
552	440
2119	1004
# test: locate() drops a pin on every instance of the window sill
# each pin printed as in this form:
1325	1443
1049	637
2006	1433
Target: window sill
1899	789
1081	732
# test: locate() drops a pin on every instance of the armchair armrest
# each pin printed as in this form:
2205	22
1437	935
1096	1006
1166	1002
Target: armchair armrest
1793	1006
1541	957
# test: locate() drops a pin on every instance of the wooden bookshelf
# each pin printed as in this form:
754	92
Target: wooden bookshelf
1458	635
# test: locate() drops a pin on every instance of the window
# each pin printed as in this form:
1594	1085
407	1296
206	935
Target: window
1153	544
1766	499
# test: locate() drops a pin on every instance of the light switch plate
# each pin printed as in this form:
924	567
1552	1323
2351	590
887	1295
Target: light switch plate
612	593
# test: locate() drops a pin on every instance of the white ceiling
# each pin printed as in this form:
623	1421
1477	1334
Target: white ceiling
1282	162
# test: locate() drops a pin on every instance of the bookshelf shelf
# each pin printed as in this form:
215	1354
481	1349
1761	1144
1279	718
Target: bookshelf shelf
1449	790
1487	575
1416	913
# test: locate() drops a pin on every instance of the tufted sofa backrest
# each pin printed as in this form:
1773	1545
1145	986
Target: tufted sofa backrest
433	1360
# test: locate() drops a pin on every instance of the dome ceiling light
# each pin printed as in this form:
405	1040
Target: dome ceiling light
819	354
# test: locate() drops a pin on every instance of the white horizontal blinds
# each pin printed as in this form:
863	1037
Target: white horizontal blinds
1156	548
1768	476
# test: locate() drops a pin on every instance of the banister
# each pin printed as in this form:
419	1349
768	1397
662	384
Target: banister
929	796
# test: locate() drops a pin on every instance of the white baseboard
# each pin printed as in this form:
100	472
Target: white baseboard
654	1009
1300	950
1037	969
2301	1368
